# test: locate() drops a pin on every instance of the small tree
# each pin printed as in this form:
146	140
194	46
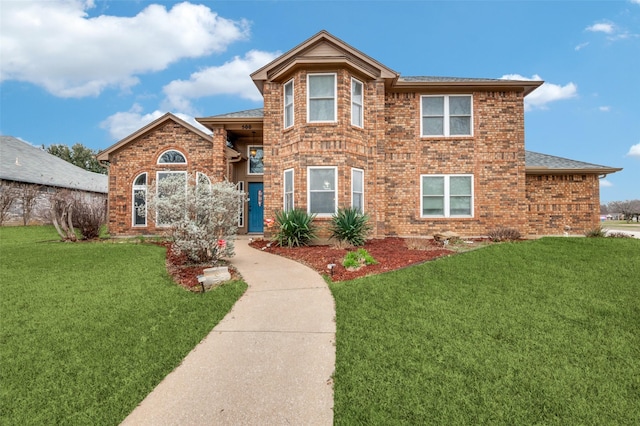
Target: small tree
62	206
201	218
28	194
8	194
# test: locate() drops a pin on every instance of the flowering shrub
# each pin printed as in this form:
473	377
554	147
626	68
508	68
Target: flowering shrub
201	219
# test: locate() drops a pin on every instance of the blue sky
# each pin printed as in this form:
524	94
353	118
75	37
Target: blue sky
94	71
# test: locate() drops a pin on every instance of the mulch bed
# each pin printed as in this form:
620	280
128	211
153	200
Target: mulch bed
390	253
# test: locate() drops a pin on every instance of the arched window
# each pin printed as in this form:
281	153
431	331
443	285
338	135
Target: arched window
139	200
202	179
172	157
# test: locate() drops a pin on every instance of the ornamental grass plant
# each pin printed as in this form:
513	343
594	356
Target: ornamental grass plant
295	228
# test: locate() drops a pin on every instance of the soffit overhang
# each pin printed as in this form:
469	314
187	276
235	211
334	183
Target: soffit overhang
322	50
602	171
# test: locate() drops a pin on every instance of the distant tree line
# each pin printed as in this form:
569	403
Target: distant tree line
629	208
78	155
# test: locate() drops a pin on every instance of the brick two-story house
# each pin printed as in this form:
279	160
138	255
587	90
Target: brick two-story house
419	155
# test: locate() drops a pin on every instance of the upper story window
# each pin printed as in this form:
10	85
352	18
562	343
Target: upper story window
321	98
447	115
172	157
322	197
288	104
256	160
356	103
446	196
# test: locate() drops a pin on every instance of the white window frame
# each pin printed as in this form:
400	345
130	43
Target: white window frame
169	172
288	106
355	81
354	190
335	190
446	195
172	150
200	174
335	97
446	116
135	188
288	191
240	187
258	148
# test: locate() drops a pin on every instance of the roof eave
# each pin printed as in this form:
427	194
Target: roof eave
524	86
536	170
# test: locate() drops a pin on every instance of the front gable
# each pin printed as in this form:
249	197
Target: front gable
322	49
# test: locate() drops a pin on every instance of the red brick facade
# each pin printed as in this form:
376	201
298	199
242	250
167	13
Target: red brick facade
140	155
388	148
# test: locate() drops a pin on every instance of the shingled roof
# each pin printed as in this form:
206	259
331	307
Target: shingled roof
21	162
537	163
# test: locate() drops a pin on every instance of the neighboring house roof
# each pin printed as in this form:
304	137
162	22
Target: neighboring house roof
22	162
104	155
537	163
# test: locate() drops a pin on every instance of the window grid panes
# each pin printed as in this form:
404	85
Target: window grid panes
321	95
356	103
182	176
448	115
256	160
288	191
288	104
322	196
139	202
172	157
447	196
240	187
357	189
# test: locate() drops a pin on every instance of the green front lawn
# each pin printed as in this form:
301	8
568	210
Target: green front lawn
539	332
89	329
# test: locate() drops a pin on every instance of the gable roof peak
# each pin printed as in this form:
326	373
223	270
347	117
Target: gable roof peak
321	49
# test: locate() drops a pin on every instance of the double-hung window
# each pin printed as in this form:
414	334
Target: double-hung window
446	115
356	102
139	200
288	104
322	197
321	98
446	196
357	189
288	191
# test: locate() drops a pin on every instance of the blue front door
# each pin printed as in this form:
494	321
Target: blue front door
256	207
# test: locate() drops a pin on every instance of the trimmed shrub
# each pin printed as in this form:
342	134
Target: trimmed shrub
295	228
503	233
89	215
350	225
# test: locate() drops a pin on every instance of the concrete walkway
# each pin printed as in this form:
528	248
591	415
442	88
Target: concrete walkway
268	362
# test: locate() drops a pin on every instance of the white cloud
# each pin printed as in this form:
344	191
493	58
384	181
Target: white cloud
635	1
55	45
634	151
122	124
602	27
605	183
544	94
231	78
583	45
605	108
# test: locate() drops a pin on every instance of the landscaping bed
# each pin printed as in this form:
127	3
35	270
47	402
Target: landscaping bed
390	253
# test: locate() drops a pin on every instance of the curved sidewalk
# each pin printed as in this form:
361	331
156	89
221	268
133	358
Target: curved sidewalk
268	362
